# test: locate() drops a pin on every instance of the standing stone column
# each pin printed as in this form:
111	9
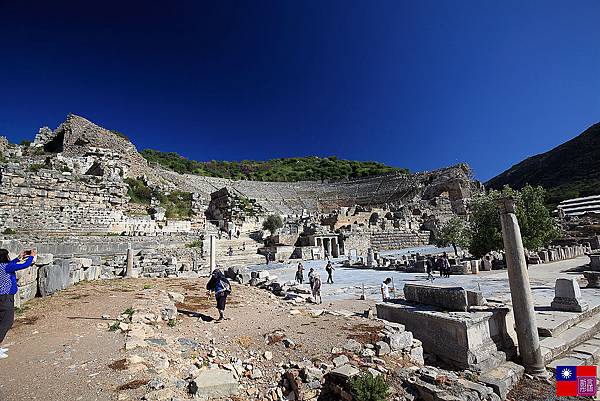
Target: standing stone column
520	291
129	270
213	253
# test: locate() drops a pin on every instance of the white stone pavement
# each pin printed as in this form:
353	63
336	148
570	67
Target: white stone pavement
348	281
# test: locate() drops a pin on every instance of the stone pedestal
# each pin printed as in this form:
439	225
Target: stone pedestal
594	261
593	279
213	253
370	257
129	270
567	296
520	290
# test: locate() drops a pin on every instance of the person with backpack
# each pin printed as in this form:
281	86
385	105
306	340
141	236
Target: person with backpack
219	284
8	289
316	287
329	269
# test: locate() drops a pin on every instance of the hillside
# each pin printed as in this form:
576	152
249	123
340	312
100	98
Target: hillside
567	171
282	170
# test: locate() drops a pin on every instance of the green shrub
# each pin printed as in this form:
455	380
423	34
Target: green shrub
367	387
194	244
172	323
9	231
36	167
138	191
284	169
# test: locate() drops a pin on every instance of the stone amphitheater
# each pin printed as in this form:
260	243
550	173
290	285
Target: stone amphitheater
72	180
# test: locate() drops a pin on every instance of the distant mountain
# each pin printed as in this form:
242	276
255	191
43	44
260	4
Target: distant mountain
284	169
567	171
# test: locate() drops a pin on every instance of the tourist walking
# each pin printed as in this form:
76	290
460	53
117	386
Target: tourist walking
429	265
329	269
8	289
385	289
439	263
300	274
316	288
446	264
311	276
219	284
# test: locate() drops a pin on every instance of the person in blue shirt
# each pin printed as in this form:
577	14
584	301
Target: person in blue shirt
8	289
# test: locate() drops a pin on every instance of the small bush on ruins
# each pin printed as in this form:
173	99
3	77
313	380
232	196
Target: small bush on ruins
272	223
177	204
138	191
537	226
284	169
172	323
120	134
367	387
9	231
34	168
194	244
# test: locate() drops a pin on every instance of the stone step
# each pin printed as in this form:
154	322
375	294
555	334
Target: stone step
502	378
570	340
553	323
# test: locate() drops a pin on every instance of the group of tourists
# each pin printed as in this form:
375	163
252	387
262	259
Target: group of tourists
314	279
440	263
8	289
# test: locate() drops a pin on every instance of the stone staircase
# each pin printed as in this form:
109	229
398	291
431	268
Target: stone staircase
570	338
241	256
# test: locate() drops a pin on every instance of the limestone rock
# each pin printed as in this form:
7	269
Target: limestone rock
214	383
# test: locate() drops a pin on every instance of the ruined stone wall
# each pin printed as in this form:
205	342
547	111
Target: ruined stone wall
397	239
51	201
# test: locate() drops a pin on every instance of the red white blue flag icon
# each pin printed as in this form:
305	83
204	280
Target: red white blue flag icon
574	381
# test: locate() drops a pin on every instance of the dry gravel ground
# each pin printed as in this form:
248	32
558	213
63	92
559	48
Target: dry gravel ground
61	349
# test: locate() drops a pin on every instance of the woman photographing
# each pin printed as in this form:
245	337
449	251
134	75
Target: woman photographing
8	289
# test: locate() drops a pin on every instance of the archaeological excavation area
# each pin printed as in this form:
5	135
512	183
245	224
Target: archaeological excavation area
115	305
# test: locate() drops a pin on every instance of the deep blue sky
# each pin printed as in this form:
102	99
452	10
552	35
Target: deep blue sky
416	84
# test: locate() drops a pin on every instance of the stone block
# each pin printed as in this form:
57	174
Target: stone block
345	371
53	278
503	378
28	291
214	383
449	298
44	259
27	276
567	296
399	341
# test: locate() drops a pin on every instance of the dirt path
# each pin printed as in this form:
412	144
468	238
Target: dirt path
61	348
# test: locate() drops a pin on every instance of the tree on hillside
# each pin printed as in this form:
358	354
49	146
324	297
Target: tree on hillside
272	223
454	232
537	226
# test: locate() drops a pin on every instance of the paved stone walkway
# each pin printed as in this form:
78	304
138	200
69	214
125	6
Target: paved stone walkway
349	281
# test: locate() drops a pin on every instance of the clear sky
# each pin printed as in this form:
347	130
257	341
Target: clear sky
416	84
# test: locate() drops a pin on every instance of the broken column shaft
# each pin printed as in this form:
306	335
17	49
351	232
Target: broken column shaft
213	252
129	269
520	291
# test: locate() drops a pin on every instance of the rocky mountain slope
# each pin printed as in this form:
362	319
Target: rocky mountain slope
567	171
